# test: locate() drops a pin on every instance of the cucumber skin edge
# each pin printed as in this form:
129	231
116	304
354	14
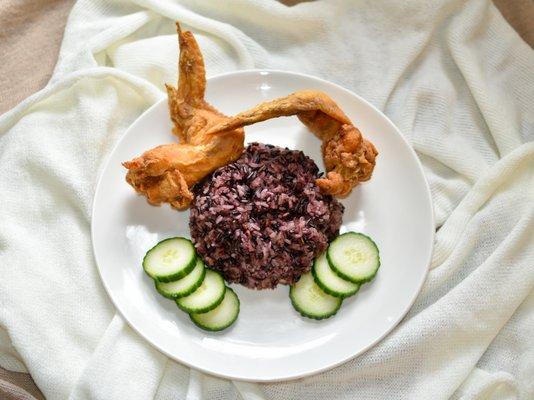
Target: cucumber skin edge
315	317
184	294
220	328
177	275
202	310
332	292
205	309
347	277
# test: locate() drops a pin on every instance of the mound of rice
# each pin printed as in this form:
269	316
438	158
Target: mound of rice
262	220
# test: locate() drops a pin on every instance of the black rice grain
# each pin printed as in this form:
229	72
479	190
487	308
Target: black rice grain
262	220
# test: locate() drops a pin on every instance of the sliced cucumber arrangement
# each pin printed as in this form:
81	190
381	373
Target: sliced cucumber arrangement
351	260
208	295
222	316
181	275
354	257
311	301
170	259
329	281
184	286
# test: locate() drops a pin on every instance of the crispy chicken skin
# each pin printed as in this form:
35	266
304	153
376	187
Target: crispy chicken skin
209	139
348	157
167	173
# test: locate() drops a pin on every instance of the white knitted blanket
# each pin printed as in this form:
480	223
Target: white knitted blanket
453	76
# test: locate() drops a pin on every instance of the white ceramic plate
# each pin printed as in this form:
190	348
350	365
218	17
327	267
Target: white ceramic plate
269	341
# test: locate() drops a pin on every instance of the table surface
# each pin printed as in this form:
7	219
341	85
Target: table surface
30	36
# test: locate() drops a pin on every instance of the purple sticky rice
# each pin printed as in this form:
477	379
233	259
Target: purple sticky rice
262	220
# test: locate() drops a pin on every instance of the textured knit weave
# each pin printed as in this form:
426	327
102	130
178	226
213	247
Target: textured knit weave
454	77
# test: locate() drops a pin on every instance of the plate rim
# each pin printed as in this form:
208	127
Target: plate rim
281	377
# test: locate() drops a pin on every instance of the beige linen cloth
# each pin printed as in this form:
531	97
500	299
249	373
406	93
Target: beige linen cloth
30	33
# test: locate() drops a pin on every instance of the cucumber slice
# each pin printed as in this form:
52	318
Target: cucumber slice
354	257
170	259
185	286
329	281
310	300
208	295
222	316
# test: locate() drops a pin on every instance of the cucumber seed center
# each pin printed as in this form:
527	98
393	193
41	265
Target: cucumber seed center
169	256
355	256
315	293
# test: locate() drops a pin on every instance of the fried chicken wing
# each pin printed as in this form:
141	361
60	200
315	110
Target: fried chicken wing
348	157
166	174
209	139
